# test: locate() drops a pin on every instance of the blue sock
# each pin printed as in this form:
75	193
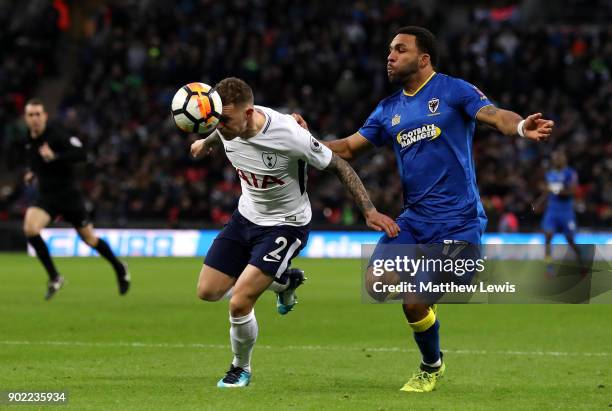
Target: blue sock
429	343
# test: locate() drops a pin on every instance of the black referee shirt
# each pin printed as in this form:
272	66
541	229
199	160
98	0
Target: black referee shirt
57	175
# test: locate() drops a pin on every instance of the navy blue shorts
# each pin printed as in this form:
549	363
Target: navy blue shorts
447	245
416	232
269	248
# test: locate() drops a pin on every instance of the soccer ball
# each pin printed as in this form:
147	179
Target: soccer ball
196	108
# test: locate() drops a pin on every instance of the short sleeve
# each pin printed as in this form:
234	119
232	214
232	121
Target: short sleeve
310	149
466	97
372	129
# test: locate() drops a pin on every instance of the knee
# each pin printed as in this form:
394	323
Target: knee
30	230
415	308
240	306
90	240
371	285
208	294
377	285
415	311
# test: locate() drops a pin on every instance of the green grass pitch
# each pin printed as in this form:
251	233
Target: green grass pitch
161	348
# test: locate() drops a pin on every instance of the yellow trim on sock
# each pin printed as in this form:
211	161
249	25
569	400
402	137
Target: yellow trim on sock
425	323
434	308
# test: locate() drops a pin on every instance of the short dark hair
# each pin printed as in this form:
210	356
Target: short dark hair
35	101
233	90
425	41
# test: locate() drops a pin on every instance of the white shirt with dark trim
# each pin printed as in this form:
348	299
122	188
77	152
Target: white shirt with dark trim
272	170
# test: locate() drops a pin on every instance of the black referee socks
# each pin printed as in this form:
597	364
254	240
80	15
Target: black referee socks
42	252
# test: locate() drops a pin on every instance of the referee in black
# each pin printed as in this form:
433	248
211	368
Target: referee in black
51	155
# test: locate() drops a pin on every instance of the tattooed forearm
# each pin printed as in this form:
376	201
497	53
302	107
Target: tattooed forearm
503	120
490	110
213	139
351	181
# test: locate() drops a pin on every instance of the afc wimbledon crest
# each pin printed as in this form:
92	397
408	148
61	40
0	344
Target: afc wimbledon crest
269	159
395	120
433	104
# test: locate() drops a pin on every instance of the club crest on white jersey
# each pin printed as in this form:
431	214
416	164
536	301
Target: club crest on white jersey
272	168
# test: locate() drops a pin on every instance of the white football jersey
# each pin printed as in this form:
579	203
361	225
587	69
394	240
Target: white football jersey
272	170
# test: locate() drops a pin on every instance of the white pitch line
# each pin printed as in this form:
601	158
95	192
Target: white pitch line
303	348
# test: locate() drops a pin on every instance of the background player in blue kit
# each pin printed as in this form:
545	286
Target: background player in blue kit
561	182
430	124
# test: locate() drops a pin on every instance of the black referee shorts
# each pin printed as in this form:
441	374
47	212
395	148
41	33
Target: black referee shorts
69	205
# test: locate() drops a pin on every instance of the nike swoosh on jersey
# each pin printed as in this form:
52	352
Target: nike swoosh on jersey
270	259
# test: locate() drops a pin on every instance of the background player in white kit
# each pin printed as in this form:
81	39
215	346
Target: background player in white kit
270	152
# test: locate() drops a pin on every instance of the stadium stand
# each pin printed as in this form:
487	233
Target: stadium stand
323	59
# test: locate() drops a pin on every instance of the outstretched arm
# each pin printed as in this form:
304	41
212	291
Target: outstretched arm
350	147
204	146
534	127
351	181
347	148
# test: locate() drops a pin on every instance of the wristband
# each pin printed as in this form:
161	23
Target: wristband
519	128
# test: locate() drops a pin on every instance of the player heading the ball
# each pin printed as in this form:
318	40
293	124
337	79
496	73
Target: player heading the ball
270	153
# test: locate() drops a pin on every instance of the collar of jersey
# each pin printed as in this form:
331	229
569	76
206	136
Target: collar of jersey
420	87
265	126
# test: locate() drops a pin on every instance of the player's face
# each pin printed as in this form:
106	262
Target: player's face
403	58
35	118
559	161
233	121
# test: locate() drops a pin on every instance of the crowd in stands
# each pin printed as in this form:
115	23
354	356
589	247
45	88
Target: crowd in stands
323	59
28	41
27	52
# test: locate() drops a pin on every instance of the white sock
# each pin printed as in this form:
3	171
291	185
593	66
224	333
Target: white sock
274	286
278	287
243	334
435	364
